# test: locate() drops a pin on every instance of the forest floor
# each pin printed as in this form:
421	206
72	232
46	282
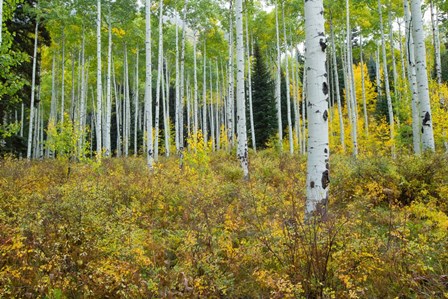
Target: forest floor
115	230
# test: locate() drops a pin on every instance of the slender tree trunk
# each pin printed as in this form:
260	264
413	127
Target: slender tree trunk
386	82
148	87
249	87
204	97
167	111
82	106
177	104
22	115
63	77
230	99
304	101
351	95
99	89
109	87
159	81
212	115
437	57
182	85
242	153
364	104
317	94
278	82
1	21
288	92
392	50
73	87
338	94
422	76
195	91
53	105
136	103
127	99
412	78
33	87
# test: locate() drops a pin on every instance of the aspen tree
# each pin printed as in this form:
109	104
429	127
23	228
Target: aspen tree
317	96
159	81
33	87
230	97
242	152
386	82
136	102
63	77
422	76
288	94
338	94
412	78
204	97
98	81
278	97
108	86
148	86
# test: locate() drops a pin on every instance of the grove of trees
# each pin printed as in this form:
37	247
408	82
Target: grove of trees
188	83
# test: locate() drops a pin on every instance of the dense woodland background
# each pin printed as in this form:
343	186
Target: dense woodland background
121	150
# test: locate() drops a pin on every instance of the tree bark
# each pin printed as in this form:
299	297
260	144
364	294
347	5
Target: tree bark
242	153
33	87
99	88
317	94
386	83
278	82
422	76
148	86
338	94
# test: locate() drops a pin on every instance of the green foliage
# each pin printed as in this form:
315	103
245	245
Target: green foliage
64	140
120	232
264	108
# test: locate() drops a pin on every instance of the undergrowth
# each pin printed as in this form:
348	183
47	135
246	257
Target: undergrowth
117	230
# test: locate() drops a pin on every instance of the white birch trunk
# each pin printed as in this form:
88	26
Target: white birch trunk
338	94
73	87
249	87
230	98
304	101
317	94
63	77
165	111
166	119
288	94
159	82
412	78
127	100
177	103
148	86
22	115
82	115
437	57
351	95
363	90
109	88
182	83
204	97
195	91
99	89
392	50
33	87
386	83
242	153
136	103
278	82
422	76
